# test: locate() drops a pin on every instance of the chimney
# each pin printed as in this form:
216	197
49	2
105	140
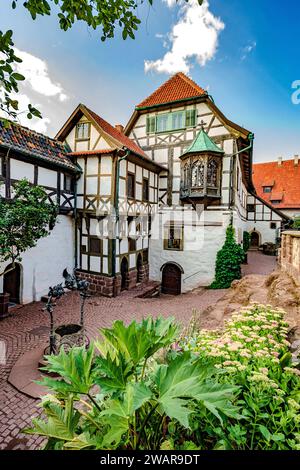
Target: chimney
296	160
119	127
279	161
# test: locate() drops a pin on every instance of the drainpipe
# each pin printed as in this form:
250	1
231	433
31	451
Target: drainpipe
75	219
116	207
232	160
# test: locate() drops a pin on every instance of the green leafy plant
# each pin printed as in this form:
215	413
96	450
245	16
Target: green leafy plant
24	219
296	223
246	241
228	262
133	394
252	353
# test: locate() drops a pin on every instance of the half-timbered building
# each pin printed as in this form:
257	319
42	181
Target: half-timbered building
151	200
116	195
208	164
42	161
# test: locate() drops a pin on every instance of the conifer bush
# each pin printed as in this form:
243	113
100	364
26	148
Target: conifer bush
228	262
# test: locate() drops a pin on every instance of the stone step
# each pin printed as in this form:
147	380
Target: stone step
150	290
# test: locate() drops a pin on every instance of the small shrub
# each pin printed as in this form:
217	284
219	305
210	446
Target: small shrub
252	352
228	262
246	241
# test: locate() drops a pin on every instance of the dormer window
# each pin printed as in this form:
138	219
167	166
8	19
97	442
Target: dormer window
83	131
267	189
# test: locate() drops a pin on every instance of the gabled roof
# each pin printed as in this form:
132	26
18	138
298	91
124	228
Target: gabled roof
35	145
119	139
178	87
203	143
286	179
117	135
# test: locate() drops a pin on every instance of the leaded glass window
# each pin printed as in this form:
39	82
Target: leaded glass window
212	173
198	173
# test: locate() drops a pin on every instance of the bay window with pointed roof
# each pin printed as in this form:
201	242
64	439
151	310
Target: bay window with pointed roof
201	169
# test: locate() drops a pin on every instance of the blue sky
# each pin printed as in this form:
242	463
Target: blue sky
249	65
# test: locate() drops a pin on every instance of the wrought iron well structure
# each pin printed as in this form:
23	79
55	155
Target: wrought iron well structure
71	334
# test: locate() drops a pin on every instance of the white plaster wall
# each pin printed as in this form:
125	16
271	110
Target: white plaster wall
19	170
263	227
70	139
199	254
47	177
106	165
42	266
92	166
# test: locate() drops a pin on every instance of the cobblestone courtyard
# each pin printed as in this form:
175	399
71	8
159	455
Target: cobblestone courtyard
27	328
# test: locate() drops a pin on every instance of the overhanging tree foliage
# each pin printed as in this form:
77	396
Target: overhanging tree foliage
24	219
105	15
228	263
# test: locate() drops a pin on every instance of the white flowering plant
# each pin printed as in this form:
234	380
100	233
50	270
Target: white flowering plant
252	352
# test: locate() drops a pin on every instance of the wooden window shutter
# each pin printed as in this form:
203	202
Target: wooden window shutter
190	118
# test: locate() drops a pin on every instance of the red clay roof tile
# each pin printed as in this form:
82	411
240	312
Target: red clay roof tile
117	135
178	87
34	144
286	178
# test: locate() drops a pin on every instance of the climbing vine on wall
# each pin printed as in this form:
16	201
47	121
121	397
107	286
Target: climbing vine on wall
228	262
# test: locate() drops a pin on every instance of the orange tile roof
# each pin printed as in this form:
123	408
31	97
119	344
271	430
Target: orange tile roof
117	135
286	178
178	87
92	152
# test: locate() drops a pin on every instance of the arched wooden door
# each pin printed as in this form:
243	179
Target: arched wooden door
171	279
124	272
11	283
139	266
254	239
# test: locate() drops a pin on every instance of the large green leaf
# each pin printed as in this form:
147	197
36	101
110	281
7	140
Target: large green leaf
184	379
119	412
137	342
83	441
176	383
61	424
111	373
216	398
75	369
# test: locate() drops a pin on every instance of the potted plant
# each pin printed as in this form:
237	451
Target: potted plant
24	219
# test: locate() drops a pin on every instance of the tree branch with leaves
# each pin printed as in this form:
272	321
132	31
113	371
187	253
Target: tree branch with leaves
24	219
105	15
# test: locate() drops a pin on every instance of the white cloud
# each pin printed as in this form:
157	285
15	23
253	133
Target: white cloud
37	76
37	124
195	35
39	89
248	49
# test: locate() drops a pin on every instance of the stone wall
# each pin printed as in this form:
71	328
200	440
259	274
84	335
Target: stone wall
111	286
289	255
101	285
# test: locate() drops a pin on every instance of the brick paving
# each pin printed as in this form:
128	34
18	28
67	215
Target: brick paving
25	330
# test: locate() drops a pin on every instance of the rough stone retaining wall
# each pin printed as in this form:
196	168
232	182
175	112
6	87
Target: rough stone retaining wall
289	256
